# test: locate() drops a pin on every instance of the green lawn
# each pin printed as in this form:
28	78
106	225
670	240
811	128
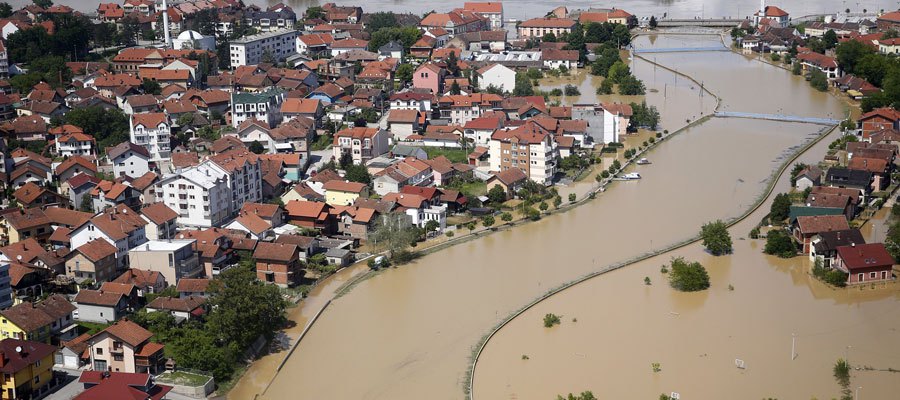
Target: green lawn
91	327
182	378
454	155
473	188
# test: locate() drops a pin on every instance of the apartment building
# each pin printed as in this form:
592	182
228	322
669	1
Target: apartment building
529	147
173	259
243	172
363	144
277	44
119	225
492	11
538	27
199	194
153	132
263	106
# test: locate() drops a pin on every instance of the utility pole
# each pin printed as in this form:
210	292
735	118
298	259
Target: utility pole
793	346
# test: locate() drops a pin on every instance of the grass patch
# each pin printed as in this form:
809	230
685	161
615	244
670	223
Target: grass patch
182	378
91	328
454	155
321	143
473	188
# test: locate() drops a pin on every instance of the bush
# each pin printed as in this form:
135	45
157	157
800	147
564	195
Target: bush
550	320
754	233
781	207
571	90
606	87
450	234
688	277
556	92
828	275
779	243
716	238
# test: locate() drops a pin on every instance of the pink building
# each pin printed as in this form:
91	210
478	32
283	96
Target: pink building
429	76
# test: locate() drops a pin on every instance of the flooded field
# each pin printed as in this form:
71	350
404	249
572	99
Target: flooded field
408	332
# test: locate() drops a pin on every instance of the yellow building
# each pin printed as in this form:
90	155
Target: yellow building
344	193
38	322
26	367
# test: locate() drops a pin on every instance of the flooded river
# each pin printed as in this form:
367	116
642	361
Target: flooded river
408	333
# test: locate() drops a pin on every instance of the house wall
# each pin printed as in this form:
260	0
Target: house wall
338	198
80	266
101	350
24	379
499	76
96	313
131	164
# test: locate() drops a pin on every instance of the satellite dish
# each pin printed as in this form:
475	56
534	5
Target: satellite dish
19	257
18	349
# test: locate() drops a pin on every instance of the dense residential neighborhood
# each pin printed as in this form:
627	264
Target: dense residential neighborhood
177	174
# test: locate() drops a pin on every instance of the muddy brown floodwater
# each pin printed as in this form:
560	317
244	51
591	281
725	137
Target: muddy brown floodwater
408	333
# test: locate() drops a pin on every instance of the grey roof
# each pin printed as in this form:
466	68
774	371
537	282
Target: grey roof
406	151
336	252
121	148
262	97
391	46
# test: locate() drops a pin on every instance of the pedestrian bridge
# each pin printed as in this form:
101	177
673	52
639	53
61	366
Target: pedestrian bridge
778	117
679	49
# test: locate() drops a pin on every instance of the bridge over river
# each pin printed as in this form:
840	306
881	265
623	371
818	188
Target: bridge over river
778	117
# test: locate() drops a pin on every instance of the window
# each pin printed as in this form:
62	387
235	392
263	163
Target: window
873	275
99	351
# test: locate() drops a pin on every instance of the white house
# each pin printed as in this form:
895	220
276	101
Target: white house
498	76
555	59
479	130
119	225
490	10
129	159
75	144
193	40
200	195
263	106
152	131
412	101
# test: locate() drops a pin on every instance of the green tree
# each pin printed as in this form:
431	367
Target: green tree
244	308
779	243
202	349
617	72
506	217
151	87
571	90
607	55
358	173
653	22
716	238
43	3
587	395
572	197
818	80
523	86
687	276
631	86
796	68
543	206
454	88
830	39
432	225
452	64
781	207
380	20
849	53
5	10
497	195
606	87
892	241
257	148
109	127
315	13
549	37
405	73
488	221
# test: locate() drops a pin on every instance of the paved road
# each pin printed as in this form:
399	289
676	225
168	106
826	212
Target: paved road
319	157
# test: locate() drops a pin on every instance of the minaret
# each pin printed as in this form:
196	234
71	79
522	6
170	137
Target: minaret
762	8
165	15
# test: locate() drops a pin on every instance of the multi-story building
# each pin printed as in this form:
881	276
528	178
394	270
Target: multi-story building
153	132
277	263
538	27
119	225
492	11
5	287
463	108
243	173
263	106
199	194
51	317
75	144
529	147
253	49
455	22
363	144
129	159
4	62
173	258
27	367
125	347
94	260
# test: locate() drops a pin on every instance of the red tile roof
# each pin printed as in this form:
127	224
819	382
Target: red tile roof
863	256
